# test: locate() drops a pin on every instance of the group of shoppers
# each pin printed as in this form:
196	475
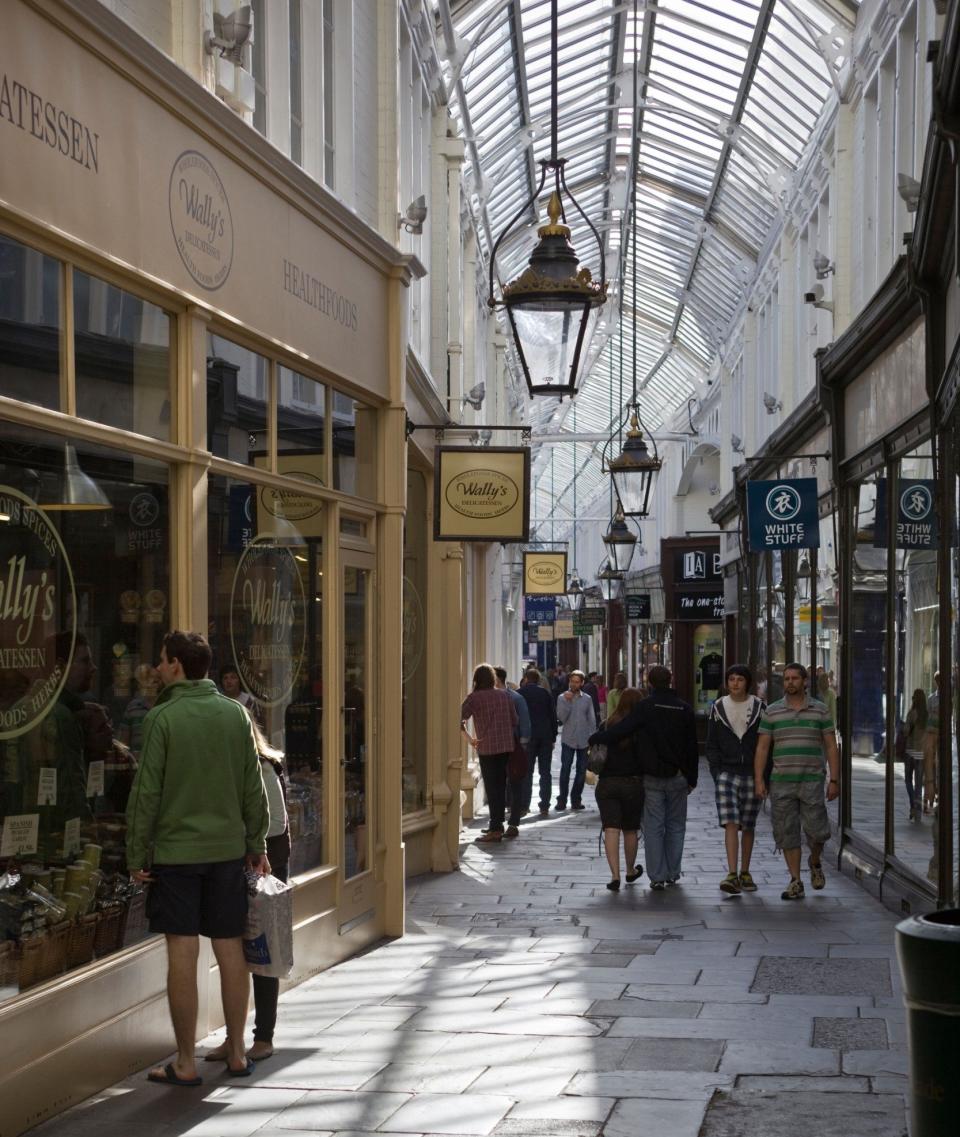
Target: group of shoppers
785	752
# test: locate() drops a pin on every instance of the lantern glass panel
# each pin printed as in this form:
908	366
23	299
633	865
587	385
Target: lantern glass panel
552	340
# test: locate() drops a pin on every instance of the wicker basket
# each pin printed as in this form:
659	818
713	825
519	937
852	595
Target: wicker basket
106	939
9	964
134	923
44	956
80	941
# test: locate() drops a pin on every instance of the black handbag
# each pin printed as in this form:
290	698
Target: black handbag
596	758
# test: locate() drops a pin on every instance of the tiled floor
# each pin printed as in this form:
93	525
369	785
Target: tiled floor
527	999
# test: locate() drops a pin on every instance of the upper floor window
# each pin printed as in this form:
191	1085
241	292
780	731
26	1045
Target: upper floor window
296	82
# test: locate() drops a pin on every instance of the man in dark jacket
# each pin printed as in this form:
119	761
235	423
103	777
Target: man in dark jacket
543	735
667	748
731	745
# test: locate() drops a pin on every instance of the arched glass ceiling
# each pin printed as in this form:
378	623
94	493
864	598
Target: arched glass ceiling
730	93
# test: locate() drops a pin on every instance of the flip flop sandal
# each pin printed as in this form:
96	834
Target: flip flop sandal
170	1077
245	1072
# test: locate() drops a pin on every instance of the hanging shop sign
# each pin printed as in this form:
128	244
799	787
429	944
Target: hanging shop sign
563	628
544	632
268	624
482	494
638	606
917	526
783	514
539	609
544	574
38	606
594	616
697	605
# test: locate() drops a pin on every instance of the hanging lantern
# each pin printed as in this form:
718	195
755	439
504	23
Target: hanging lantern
553	305
621	542
634	471
575	592
610	582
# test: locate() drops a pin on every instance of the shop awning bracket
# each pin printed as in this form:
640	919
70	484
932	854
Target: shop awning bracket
526	432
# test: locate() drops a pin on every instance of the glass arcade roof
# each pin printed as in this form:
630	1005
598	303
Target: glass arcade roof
729	95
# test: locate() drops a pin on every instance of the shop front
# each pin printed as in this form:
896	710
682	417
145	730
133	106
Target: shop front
201	370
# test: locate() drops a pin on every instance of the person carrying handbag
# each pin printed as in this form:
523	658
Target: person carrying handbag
619	796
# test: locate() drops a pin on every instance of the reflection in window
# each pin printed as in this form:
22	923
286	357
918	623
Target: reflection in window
123	358
266	605
415	546
917	640
76	681
301	415
353	446
868	614
237	390
29	325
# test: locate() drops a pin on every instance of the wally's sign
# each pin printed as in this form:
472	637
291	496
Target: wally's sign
482	494
37	607
544	574
783	514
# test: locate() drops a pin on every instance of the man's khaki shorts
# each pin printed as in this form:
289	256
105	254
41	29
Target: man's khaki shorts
795	806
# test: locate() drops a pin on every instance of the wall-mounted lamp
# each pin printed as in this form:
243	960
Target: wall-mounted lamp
415	216
909	190
230	34
475	396
823	266
772	403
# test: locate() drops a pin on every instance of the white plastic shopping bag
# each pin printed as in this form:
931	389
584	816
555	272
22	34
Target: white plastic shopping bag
268	936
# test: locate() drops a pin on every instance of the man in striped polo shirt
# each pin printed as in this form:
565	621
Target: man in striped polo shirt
802	733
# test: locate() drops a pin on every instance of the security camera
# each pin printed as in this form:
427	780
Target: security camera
230	34
736	443
822	266
814	295
909	190
772	403
415	216
476	396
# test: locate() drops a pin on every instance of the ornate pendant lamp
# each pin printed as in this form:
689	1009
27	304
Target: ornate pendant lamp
553	305
610	581
635	469
621	542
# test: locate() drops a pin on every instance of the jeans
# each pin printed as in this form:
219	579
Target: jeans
664	825
493	768
579	777
913	776
540	757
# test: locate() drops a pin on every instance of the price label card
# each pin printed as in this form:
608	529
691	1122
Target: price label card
95	778
71	837
47	786
20	835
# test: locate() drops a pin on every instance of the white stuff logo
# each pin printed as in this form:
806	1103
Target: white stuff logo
200	219
36	594
783	503
482	494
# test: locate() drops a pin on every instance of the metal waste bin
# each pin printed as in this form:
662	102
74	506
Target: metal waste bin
928	951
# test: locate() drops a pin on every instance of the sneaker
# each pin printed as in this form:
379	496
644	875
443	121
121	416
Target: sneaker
731	884
511	832
793	891
658	885
817	879
747	883
578	805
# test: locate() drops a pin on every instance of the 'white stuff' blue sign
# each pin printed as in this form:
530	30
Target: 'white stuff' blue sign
783	514
917	526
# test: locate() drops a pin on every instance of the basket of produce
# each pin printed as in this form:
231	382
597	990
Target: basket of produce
80	939
106	938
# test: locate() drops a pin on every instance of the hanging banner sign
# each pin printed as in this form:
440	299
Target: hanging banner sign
539	609
638	606
783	514
482	494
917	526
544	574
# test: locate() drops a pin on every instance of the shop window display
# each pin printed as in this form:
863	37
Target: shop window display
122	352
84	573
266	628
415	546
868	635
29	325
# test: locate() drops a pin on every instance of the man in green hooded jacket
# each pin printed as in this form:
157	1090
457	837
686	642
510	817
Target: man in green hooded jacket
196	818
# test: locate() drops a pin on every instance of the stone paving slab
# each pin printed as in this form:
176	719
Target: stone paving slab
527	1001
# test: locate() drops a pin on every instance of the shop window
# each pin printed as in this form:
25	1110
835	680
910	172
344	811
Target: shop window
941	722
917	652
354	442
122	347
29	325
238	382
85	545
301	419
415	546
868	645
266	627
